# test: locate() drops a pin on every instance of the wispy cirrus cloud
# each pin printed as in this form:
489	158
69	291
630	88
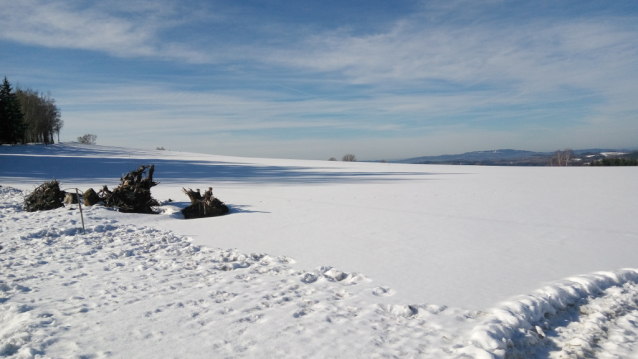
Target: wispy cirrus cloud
547	72
117	28
416	49
54	24
536	51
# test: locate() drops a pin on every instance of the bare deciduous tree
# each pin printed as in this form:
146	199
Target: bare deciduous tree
332	159
349	158
561	158
41	116
87	139
57	127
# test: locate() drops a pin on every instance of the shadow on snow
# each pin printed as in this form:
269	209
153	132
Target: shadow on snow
181	172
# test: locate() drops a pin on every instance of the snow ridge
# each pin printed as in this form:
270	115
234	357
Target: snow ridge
593	305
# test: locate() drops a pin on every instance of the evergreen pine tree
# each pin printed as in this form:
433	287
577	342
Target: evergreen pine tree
12	127
5	127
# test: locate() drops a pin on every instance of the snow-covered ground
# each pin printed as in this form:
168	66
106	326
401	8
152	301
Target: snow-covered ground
319	259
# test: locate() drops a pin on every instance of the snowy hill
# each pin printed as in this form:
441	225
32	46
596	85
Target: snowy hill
478	156
508	157
317	259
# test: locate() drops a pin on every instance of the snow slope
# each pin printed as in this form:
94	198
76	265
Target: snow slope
318	259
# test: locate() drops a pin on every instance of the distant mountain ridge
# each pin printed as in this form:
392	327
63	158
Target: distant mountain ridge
507	157
502	154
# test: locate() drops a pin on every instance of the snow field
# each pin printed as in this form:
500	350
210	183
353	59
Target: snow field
466	236
459	238
127	291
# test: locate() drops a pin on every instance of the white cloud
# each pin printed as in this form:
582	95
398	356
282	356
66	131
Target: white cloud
532	52
56	25
530	56
118	28
550	66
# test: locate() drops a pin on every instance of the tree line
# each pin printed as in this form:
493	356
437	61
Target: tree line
617	161
27	116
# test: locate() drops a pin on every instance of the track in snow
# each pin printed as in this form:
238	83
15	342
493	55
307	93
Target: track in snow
605	326
590	316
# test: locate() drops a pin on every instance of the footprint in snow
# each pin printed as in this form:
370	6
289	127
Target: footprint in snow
302	312
335	275
383	291
309	278
253	318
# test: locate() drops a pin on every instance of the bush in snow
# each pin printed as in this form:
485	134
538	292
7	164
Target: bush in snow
87	139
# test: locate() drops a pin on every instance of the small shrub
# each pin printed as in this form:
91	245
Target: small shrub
87	139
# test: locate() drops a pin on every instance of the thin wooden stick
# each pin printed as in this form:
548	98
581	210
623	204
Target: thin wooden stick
77	193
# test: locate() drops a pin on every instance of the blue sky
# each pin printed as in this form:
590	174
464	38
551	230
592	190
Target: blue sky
316	79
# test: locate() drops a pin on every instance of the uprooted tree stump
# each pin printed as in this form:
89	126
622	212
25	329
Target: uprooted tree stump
133	195
70	198
203	206
90	198
45	197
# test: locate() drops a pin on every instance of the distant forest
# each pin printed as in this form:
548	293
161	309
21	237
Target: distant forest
618	161
27	116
